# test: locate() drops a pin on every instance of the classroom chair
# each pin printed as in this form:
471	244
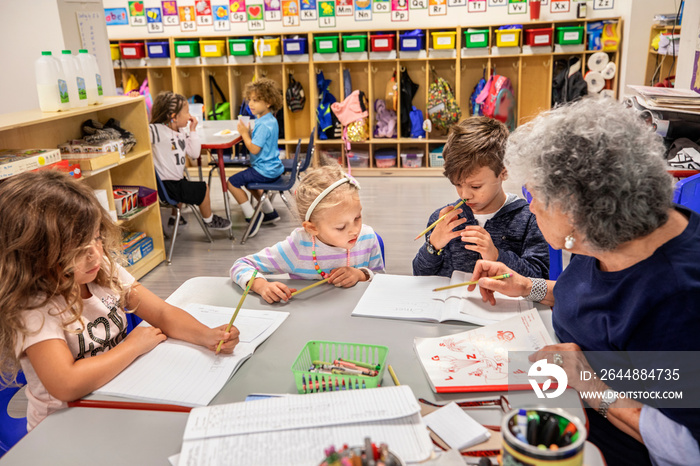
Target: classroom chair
11	429
167	201
687	192
381	246
556	260
283	183
306	163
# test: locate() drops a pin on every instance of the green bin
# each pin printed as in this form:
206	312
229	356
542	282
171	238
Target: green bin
240	46
569	35
186	48
477	38
355	43
326	44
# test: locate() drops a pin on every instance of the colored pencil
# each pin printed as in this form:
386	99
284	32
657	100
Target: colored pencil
108	404
393	376
238	308
473	282
432	225
321	282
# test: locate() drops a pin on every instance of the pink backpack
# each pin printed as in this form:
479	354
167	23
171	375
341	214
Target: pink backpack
497	100
353	115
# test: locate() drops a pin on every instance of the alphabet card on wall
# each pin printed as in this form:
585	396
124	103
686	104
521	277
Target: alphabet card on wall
290	12
221	17
363	10
560	6
437	8
381	6
517	7
256	21
478	360
308	10
154	20
343	8
170	16
399	10
203	12
273	10
326	13
137	15
237	11
476	6
187	18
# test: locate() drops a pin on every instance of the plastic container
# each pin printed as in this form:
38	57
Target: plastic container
382	42
507	37
51	85
412	43
75	79
93	78
436	158
125	199
294	45
145	196
186	48
333	154
358	158
385	158
412	158
239	47
326	44
355	43
132	50
329	351
538	37
212	48
569	35
444	40
158	49
270	47
477	38
114	51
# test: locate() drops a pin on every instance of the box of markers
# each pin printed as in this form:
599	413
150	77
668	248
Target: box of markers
324	366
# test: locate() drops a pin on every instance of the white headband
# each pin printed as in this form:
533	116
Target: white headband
345	179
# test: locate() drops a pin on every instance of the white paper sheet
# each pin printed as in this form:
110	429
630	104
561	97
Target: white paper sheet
455	427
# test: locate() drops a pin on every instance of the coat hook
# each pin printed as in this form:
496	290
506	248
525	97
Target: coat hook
524	65
515	65
374	70
483	66
157	75
236	73
452	67
403	68
464	67
291	71
184	74
422	68
317	71
212	73
545	64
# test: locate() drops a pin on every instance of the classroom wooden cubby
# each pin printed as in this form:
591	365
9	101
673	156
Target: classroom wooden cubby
660	66
530	72
36	130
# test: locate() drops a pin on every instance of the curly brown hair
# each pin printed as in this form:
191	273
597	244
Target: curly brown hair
266	90
48	220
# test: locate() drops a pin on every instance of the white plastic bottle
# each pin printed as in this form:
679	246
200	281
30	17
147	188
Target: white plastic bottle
75	79
93	79
51	85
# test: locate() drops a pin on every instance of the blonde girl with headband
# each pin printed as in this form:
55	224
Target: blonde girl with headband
331	243
63	295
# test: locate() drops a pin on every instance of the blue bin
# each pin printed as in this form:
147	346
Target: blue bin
158	49
412	41
294	46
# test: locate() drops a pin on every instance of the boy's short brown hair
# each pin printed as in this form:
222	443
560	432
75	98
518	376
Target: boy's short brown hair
267	91
474	143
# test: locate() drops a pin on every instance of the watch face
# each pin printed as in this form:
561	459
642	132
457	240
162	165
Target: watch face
609	395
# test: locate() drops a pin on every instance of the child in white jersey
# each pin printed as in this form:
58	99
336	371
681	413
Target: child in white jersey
62	295
332	242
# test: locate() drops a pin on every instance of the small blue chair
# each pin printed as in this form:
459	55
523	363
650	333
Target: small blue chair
687	192
556	260
303	165
381	246
11	429
166	199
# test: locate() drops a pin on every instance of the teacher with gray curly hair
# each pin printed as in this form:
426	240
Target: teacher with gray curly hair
601	191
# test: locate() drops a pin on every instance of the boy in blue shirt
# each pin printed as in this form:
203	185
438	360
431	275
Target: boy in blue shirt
264	99
491	224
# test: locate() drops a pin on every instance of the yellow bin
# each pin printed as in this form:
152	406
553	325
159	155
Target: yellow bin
114	50
270	47
212	48
444	40
507	37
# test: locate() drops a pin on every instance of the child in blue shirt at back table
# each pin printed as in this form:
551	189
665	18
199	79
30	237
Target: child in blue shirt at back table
264	99
492	224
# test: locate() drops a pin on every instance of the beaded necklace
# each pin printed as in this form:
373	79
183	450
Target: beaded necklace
313	255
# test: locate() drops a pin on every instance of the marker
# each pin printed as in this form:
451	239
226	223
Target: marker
533	422
549	431
565	440
570	428
303	383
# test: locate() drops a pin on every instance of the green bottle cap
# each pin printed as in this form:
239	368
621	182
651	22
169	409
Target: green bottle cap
82	51
66	52
46	53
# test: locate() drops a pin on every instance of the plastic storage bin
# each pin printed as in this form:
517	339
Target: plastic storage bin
477	38
145	196
355	43
333	154
186	48
114	51
238	47
436	159
158	49
292	46
132	50
212	48
329	351
326	44
412	158
411	43
538	37
385	158
382	42
567	35
443	40
507	37
270	47
358	158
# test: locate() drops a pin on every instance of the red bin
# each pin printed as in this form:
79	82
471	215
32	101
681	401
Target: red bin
538	37
382	42
132	50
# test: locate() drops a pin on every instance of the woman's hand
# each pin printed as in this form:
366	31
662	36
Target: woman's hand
514	286
216	335
573	361
345	276
272	292
479	240
144	339
443	232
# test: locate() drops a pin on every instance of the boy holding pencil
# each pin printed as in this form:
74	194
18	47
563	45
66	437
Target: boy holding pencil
486	223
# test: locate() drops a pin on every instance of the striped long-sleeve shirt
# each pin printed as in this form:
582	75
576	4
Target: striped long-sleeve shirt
293	256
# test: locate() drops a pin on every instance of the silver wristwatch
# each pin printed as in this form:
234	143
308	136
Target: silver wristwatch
609	397
431	249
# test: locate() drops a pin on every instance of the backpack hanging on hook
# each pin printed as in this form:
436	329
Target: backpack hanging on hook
222	110
295	95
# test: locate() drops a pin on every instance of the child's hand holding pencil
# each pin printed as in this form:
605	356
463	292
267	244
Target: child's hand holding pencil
443	230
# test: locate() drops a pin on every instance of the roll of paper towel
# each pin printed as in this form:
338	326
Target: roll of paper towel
609	71
608	93
597	61
595	82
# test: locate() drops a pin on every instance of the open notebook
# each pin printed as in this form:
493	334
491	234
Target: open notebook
181	373
412	298
479	360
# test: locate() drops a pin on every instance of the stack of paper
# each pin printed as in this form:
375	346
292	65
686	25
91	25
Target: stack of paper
455	427
664	97
295	430
182	373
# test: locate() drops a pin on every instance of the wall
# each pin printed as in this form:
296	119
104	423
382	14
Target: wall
689	54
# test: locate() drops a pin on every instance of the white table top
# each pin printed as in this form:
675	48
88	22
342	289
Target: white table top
208	128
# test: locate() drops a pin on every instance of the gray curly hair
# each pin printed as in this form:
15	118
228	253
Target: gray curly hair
598	162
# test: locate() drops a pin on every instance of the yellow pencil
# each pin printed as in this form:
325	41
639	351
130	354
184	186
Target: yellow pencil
321	282
393	376
238	308
432	225
473	282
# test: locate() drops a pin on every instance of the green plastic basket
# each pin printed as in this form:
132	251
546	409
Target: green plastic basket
330	351
240	46
354	43
186	48
326	44
569	35
476	39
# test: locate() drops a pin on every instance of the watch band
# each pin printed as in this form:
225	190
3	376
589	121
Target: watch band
609	397
538	291
431	249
